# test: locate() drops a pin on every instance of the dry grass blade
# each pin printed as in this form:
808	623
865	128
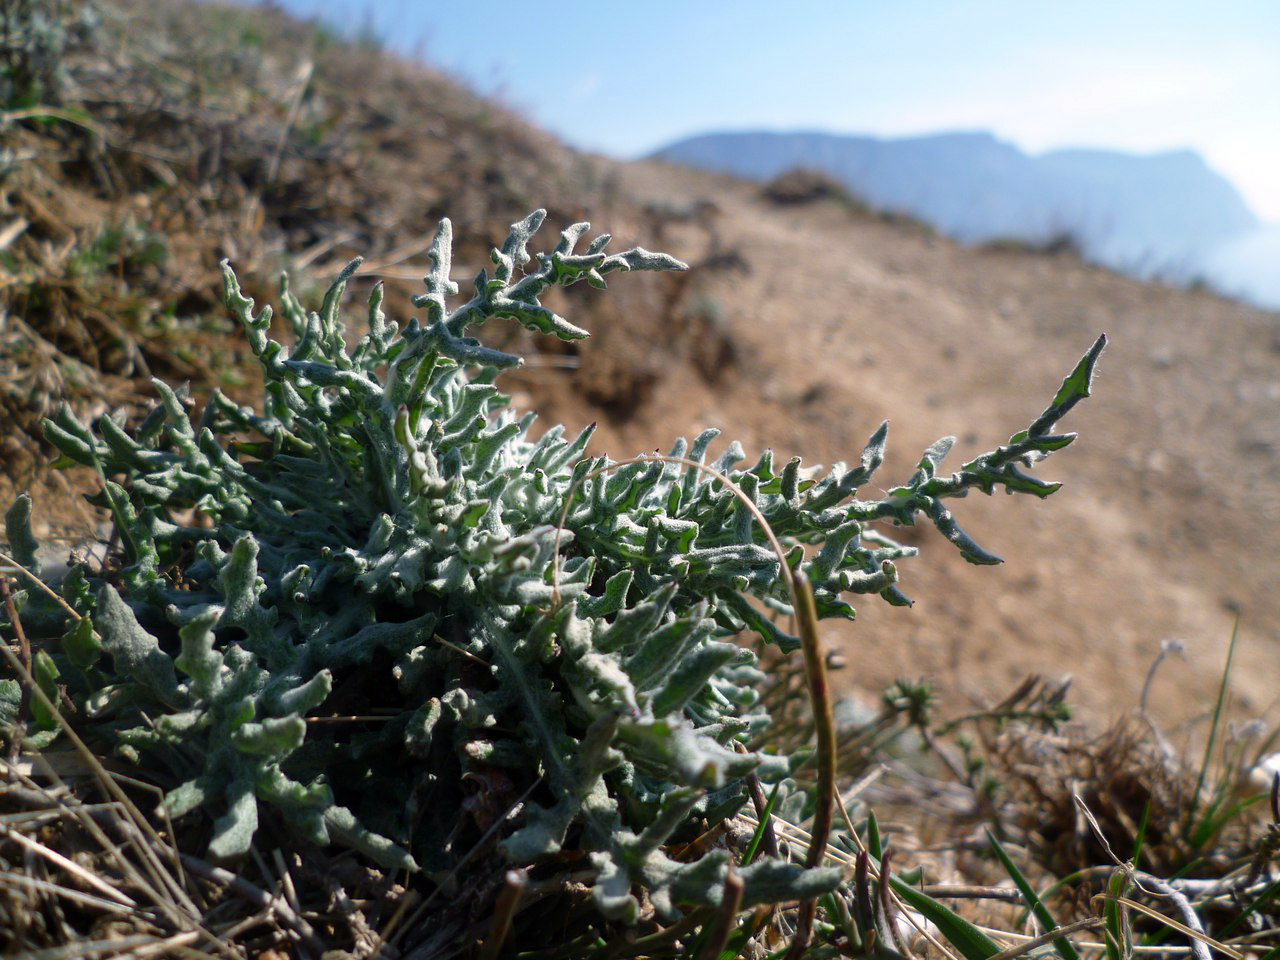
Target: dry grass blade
286	881
964	891
1096	828
11	232
1198	937
397	257
479	844
862	783
179	943
504	912
13	566
111	947
301	81
820	699
726	917
176	905
46	886
410	900
24	705
73	868
256	896
1088	923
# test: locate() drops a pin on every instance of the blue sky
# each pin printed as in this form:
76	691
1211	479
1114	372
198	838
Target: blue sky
625	78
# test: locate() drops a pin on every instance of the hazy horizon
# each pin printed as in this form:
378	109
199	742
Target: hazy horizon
1143	77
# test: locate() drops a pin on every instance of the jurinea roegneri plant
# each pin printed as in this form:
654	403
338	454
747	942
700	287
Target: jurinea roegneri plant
377	542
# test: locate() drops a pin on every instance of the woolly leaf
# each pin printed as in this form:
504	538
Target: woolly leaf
271	737
198	659
135	652
82	646
45	672
17	532
233	831
10	701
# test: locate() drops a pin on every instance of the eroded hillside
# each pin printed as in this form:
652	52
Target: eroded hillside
216	133
1168	522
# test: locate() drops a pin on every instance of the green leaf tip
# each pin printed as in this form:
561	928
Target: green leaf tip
22	543
1075	388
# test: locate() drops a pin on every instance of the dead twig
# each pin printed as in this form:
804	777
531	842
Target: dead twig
257	896
1057	933
726	918
820	698
70	866
302	80
19	729
960	891
504	912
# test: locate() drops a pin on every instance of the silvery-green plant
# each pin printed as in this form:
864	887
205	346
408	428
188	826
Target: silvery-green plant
377	543
34	38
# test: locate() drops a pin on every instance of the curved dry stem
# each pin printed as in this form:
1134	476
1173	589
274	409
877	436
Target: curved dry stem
9	562
815	666
805	615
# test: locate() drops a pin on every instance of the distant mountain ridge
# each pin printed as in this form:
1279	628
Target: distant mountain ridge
1157	215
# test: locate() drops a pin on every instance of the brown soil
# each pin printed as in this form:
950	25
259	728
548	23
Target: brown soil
1170	516
801	327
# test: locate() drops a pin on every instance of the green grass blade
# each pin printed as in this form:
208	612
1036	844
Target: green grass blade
1213	733
837	915
1142	832
1189	869
1213	821
1062	944
754	846
1053	888
873	836
737	943
972	943
1260	901
1114	922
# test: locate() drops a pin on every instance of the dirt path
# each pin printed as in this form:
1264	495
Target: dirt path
1170	517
